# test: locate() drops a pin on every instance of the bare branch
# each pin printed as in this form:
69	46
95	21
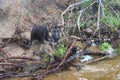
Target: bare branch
102	7
78	20
71	6
81	11
98	19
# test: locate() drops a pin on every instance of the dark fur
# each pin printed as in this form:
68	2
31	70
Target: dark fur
39	33
55	34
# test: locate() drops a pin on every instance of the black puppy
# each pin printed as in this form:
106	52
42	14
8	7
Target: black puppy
40	33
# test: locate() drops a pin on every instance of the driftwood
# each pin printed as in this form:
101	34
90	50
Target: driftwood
54	67
98	59
19	57
5	54
58	66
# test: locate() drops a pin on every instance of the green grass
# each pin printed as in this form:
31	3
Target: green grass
105	46
60	51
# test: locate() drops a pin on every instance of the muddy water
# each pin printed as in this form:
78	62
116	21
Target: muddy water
108	69
103	70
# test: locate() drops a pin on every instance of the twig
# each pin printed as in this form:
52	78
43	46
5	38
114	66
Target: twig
81	11
71	12
71	6
78	20
4	53
98	59
68	51
58	65
8	64
86	52
19	57
102	8
98	19
65	36
92	39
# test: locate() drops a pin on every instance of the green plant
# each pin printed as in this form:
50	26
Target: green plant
111	18
87	3
60	51
117	50
105	46
47	58
112	21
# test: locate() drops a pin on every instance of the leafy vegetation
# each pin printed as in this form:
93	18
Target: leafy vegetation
105	46
60	51
111	17
111	20
47	58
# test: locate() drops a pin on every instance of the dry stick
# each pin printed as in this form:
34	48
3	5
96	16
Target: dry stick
6	63
61	63
98	20
70	6
78	20
57	64
102	8
68	51
98	59
95	52
81	11
74	57
84	39
65	36
19	57
5	53
71	12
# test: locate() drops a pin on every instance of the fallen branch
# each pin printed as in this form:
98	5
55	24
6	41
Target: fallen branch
78	20
98	59
81	11
67	53
71	6
92	39
7	64
98	53
21	57
58	65
6	54
100	8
